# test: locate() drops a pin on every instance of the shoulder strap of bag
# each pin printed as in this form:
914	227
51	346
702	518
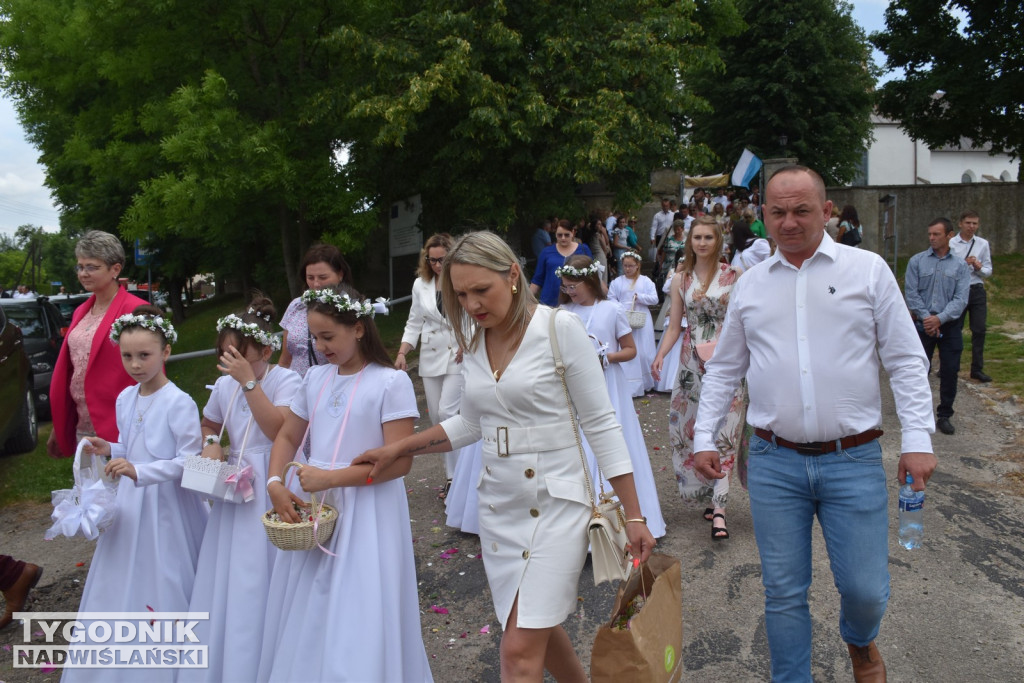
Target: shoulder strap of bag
560	371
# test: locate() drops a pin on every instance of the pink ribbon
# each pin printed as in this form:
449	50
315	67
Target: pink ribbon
241	481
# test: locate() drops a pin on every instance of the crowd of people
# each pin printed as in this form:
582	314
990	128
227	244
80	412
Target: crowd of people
757	389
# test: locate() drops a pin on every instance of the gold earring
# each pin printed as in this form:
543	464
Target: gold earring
515	290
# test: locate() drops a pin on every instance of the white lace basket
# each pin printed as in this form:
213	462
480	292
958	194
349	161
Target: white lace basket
217	479
210	478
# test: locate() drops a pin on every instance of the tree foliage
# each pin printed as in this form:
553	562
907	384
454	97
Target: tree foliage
799	70
497	112
211	130
972	51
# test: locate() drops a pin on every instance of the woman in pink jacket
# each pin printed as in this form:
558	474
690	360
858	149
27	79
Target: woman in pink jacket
89	374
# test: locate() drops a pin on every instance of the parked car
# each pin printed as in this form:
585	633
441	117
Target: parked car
158	299
43	329
18	428
67	303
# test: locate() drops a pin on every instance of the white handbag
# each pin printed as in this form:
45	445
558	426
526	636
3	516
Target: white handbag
607	526
90	506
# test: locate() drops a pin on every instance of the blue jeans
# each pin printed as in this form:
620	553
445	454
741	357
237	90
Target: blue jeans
847	492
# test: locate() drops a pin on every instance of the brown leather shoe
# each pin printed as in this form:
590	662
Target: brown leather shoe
17	594
868	666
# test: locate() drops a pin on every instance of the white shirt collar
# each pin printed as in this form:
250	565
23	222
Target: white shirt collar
827	247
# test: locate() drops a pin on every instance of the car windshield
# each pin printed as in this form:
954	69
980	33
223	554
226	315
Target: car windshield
29	319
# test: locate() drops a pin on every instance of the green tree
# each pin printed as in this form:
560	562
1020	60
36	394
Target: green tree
212	129
497	112
183	123
962	64
797	82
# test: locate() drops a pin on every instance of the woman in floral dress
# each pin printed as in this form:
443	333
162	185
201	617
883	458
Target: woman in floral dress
702	287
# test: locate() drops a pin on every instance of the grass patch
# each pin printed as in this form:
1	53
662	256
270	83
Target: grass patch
1004	343
32	476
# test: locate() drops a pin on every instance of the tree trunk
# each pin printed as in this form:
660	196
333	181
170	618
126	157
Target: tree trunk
174	289
287	251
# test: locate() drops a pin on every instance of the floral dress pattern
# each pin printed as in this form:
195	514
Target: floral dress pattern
705	313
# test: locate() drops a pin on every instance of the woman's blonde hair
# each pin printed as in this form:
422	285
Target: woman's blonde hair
486	250
690	258
441	239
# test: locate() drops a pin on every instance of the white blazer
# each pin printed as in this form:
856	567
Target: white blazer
437	355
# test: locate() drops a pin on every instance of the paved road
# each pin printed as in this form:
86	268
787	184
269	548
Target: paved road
957	607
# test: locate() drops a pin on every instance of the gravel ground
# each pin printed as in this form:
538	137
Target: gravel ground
956	611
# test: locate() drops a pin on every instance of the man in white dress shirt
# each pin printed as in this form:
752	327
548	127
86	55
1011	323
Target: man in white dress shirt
661	222
803	328
976	252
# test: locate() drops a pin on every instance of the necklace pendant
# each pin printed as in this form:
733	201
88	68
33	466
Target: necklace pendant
497	375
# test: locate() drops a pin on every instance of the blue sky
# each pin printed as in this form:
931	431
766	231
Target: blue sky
24	198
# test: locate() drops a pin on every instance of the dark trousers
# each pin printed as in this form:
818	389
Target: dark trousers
10	571
950	343
977	308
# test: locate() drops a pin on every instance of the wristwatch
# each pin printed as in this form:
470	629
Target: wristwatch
249	386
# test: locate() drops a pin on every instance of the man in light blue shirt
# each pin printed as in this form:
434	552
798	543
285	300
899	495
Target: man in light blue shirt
936	285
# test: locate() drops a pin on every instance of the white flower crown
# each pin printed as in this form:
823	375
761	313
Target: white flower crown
252	311
251	330
153	323
579	273
343	302
633	254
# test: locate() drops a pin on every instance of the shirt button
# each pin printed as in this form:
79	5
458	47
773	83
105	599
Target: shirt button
529	473
488	469
491	508
494	547
526	554
534	512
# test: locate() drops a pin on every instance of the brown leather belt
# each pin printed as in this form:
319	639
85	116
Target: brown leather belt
821	447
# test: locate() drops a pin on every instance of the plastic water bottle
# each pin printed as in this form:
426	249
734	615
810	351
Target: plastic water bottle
911	511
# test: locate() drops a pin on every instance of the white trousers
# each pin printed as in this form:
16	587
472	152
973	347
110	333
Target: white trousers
444	394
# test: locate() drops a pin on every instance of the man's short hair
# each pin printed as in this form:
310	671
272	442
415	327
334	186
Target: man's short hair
944	222
796	168
969	214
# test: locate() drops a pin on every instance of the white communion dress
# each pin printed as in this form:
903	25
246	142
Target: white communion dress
353	616
533	505
606	322
645	294
146	560
236	558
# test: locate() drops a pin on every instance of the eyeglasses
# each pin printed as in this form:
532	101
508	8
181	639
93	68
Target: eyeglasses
435	261
568	289
87	268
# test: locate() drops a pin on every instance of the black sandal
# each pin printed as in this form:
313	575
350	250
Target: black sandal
709	514
444	491
718	533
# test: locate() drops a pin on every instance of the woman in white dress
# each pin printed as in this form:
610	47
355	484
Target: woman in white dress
348	611
635	291
251	400
440	356
533	503
146	560
612	337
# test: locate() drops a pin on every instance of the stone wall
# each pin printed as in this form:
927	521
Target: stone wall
1000	207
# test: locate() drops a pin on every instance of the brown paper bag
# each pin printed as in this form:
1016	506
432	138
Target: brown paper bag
650	649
